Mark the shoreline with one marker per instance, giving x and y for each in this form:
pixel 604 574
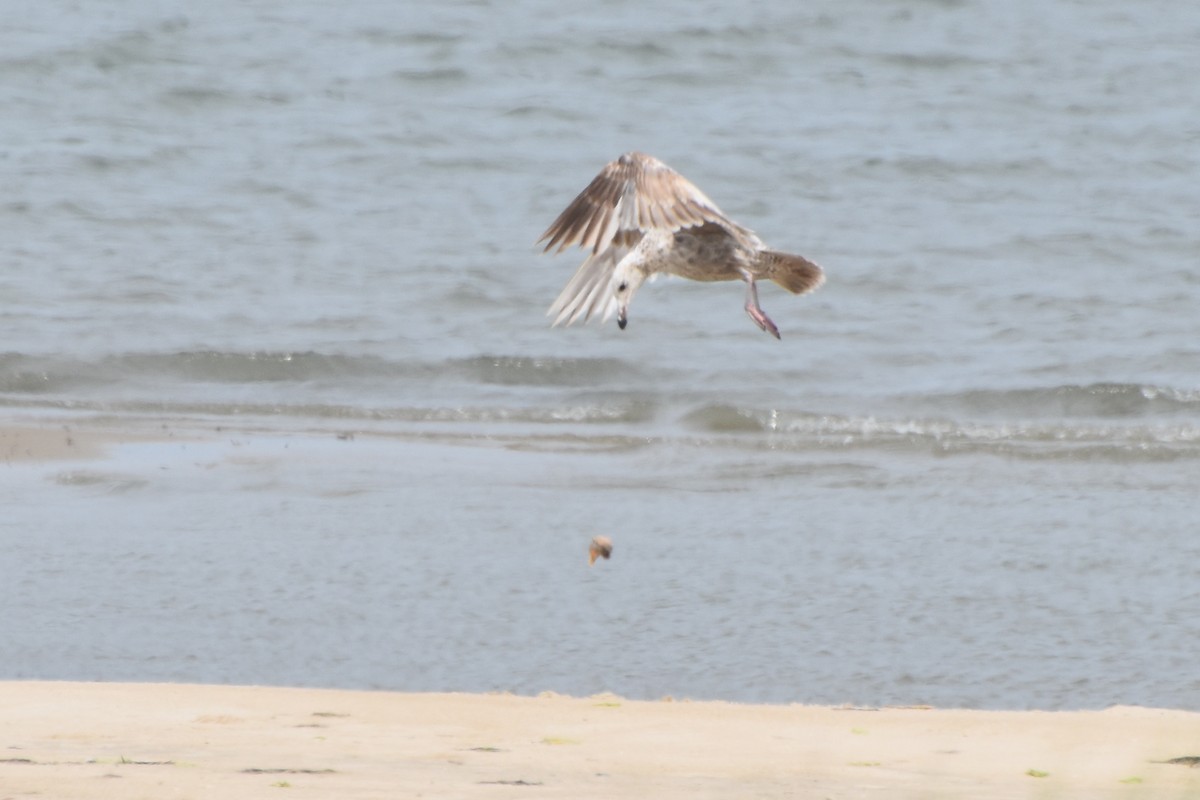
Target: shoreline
pixel 111 740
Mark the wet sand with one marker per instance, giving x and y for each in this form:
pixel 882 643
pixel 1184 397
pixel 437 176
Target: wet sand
pixel 48 441
pixel 39 440
pixel 85 740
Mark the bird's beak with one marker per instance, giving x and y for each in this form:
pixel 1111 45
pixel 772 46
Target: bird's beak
pixel 622 320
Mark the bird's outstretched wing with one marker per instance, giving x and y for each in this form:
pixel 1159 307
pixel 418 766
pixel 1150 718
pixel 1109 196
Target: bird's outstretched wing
pixel 635 193
pixel 632 195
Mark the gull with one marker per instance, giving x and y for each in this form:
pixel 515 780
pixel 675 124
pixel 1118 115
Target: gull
pixel 638 218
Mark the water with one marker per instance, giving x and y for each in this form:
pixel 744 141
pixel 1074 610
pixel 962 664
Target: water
pixel 286 250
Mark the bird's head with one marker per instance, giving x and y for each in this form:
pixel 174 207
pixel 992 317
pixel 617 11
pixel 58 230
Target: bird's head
pixel 625 283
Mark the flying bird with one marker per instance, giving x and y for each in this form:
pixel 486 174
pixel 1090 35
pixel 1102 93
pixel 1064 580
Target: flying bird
pixel 639 217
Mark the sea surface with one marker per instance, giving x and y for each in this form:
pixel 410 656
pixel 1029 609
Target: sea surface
pixel 290 246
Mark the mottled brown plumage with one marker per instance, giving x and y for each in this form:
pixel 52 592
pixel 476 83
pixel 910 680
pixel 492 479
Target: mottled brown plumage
pixel 639 217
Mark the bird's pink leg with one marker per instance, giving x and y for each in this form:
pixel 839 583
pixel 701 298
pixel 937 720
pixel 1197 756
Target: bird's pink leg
pixel 755 310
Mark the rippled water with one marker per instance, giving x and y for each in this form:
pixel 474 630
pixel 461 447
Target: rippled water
pixel 290 247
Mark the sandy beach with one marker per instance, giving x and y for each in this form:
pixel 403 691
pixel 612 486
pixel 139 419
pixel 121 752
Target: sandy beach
pixel 88 740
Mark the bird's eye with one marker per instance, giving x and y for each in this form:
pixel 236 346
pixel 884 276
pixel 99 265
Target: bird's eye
pixel 623 286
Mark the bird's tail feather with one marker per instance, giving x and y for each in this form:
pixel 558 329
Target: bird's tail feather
pixel 795 273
